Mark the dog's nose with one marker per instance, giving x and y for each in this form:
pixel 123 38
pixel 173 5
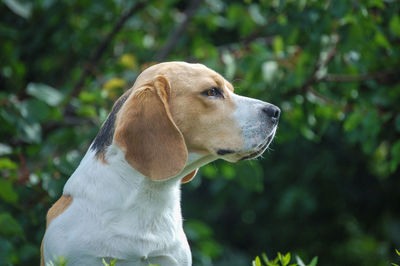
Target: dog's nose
pixel 273 112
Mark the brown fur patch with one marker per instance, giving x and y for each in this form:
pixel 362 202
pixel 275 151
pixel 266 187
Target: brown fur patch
pixel 58 208
pixel 146 132
pixel 189 177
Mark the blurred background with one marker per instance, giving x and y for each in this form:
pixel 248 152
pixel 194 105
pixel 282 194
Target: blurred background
pixel 328 186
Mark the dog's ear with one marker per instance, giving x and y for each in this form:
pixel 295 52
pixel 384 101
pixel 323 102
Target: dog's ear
pixel 189 177
pixel 146 132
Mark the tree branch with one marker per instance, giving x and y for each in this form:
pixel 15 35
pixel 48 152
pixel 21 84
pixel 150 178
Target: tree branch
pixel 319 65
pixel 98 53
pixel 254 36
pixel 178 32
pixel 358 78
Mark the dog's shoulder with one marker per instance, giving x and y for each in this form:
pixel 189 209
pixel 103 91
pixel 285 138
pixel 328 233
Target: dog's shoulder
pixel 59 207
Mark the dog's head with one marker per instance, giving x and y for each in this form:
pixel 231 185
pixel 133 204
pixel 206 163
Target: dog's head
pixel 177 108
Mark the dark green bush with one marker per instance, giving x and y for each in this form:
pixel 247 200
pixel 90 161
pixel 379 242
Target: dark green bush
pixel 329 184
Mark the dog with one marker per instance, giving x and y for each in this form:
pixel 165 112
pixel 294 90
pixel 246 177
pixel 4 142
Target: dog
pixel 123 200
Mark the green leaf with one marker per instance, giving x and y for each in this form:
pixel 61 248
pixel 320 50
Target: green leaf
pixel 7 191
pixel 6 163
pixel 89 97
pixel 395 25
pixel 45 93
pixel 300 261
pixel 113 262
pixel 257 261
pixel 5 149
pixel 273 263
pixel 279 256
pixel 278 45
pixel 61 261
pixel 313 262
pixel 270 71
pixel 376 3
pixel 209 171
pixel 9 226
pixel 398 252
pixel 264 257
pixel 353 120
pixel 87 111
pixel 22 10
pixel 228 171
pixel 308 133
pixel 285 259
pixel 229 61
pixel 381 40
pixel 31 132
pixel 256 14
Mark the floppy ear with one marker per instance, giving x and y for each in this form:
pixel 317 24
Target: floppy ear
pixel 145 131
pixel 189 177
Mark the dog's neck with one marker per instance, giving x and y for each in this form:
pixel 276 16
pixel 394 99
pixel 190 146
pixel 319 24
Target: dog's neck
pixel 114 184
pixel 124 212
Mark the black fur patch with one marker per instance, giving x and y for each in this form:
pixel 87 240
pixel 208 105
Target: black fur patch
pixel 106 133
pixel 246 157
pixel 223 152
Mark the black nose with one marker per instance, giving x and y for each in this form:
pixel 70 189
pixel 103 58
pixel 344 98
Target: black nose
pixel 272 111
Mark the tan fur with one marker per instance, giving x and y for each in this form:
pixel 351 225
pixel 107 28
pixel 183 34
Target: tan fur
pixel 59 207
pixel 166 116
pixel 145 131
pixel 203 122
pixel 206 124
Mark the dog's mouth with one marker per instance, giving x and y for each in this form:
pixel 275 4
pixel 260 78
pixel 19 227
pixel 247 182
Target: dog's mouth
pixel 232 155
pixel 260 150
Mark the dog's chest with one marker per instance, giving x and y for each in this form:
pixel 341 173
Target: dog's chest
pixel 132 236
pixel 136 222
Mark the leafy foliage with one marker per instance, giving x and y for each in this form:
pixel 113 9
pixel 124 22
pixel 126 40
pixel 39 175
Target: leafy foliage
pixel 62 261
pixel 282 260
pixel 329 184
pixel 398 253
pixel 111 263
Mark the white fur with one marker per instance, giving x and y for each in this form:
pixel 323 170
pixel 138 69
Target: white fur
pixel 256 127
pixel 120 214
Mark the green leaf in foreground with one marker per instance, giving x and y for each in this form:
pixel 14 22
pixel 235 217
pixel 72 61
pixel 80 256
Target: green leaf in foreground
pixel 45 93
pixel 313 262
pixel 257 262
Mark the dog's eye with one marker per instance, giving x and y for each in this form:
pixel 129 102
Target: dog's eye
pixel 213 92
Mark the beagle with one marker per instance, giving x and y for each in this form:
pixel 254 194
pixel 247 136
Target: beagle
pixel 123 200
